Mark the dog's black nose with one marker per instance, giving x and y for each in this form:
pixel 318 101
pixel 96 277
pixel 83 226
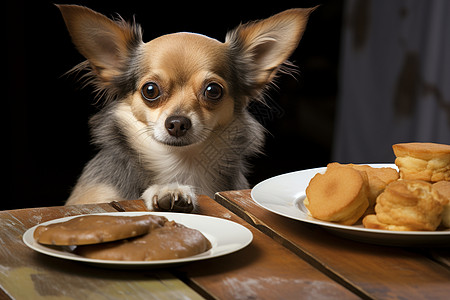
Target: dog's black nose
pixel 177 126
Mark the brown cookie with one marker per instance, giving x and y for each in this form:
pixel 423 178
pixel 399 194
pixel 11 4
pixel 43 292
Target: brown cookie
pixel 95 229
pixel 171 241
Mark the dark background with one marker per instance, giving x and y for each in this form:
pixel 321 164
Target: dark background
pixel 48 111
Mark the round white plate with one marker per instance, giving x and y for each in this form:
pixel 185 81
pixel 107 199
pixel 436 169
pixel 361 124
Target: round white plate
pixel 225 236
pixel 284 195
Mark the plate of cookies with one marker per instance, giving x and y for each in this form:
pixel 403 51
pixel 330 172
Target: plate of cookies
pixel 137 239
pixel 401 204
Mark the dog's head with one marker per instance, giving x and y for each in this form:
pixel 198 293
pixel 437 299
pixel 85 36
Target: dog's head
pixel 183 86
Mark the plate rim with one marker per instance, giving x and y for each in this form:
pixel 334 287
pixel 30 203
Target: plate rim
pixel 247 237
pixel 335 226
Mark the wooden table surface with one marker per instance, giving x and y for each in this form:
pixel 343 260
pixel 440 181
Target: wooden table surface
pixel 286 260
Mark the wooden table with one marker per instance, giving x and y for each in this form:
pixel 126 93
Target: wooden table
pixel 286 260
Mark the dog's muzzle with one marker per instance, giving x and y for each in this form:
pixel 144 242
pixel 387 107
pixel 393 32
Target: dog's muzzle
pixel 177 126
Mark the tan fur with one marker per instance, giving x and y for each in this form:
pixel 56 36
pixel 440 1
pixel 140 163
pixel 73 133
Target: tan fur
pixel 90 194
pixel 102 53
pixel 139 154
pixel 182 79
pixel 270 41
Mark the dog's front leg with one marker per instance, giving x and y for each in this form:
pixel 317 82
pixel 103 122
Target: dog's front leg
pixel 171 197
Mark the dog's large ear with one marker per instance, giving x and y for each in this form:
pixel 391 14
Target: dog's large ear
pixel 260 48
pixel 105 43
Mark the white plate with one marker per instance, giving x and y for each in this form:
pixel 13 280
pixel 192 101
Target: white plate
pixel 284 195
pixel 225 236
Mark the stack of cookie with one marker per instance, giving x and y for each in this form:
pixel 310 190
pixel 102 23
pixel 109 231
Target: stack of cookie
pixel 420 200
pixel 346 192
pixel 129 238
pixel 415 198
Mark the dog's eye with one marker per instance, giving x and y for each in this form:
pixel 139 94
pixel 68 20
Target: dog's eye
pixel 150 91
pixel 213 91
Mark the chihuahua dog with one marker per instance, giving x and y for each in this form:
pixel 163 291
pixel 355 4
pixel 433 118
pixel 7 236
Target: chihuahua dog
pixel 175 121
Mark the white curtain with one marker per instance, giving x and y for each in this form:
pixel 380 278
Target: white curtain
pixel 394 78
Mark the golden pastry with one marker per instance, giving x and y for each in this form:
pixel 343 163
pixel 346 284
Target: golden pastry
pixel 443 188
pixel 407 205
pixel 340 195
pixel 423 161
pixel 378 178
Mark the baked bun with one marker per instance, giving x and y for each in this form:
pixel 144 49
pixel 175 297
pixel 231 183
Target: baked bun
pixel 423 161
pixel 339 195
pixel 378 178
pixel 371 221
pixel 443 188
pixel 408 205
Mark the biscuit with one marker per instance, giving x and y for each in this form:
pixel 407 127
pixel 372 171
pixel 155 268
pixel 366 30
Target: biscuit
pixel 371 221
pixel 95 229
pixel 171 241
pixel 340 195
pixel 413 204
pixel 443 188
pixel 378 178
pixel 423 161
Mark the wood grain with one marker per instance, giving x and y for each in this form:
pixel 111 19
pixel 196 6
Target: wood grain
pixel 286 260
pixel 25 274
pixel 369 270
pixel 263 270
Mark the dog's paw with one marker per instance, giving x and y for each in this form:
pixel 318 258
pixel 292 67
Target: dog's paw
pixel 171 197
